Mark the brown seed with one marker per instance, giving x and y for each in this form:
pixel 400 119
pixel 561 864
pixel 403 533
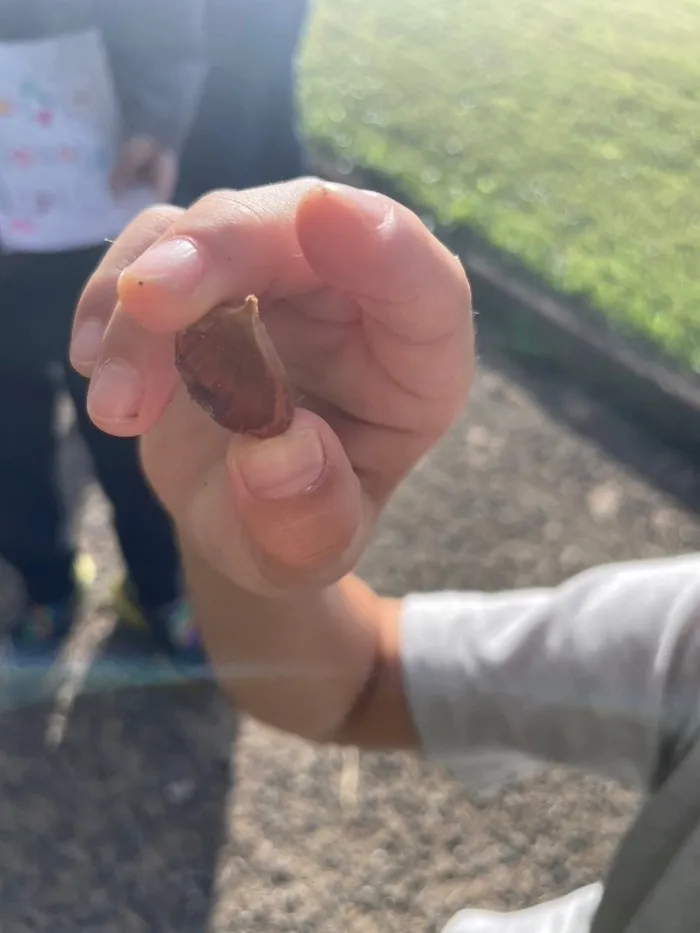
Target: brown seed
pixel 231 369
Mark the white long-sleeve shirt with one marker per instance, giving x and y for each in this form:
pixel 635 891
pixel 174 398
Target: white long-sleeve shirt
pixel 601 673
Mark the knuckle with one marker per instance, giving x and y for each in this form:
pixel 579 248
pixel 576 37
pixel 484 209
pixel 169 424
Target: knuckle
pixel 320 555
pixel 100 290
pixel 219 208
pixel 151 224
pixel 212 198
pixel 155 219
pixel 307 551
pixel 221 215
pixel 217 203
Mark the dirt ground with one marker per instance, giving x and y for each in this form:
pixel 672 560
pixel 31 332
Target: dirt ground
pixel 118 807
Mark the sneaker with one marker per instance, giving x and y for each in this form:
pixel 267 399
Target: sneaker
pixel 44 628
pixel 172 626
pixel 178 632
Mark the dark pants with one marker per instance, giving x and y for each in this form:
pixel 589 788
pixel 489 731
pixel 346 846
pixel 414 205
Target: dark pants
pixel 37 299
pixel 245 134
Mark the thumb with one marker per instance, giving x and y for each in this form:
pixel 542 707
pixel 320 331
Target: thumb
pixel 287 513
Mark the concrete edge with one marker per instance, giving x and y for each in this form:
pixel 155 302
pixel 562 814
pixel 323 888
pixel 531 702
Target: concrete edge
pixel 636 379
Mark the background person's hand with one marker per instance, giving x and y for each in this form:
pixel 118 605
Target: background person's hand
pixel 371 315
pixel 143 162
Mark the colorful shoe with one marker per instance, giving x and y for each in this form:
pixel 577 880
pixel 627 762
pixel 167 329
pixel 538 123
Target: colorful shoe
pixel 171 626
pixel 177 630
pixel 44 628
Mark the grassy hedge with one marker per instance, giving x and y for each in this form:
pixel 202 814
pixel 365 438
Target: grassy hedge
pixel 566 131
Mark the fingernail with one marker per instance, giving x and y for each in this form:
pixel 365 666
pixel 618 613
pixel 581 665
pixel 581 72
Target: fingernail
pixel 284 466
pixel 376 208
pixel 86 342
pixel 116 392
pixel 177 263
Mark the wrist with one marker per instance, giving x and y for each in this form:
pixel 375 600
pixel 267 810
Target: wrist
pixel 379 717
pixel 298 663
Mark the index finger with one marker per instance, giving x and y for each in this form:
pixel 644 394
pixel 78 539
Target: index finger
pixel 226 246
pixel 99 297
pixel 283 240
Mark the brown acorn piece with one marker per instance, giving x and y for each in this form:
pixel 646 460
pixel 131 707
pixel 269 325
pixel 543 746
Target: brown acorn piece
pixel 231 369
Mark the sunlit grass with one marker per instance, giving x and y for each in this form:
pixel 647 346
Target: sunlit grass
pixel 566 131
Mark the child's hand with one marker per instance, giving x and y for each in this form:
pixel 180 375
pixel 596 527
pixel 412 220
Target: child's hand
pixel 371 316
pixel 143 162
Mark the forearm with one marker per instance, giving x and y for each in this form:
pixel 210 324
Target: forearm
pixel 599 673
pixel 324 666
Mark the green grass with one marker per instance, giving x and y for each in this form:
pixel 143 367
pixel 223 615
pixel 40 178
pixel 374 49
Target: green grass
pixel 565 131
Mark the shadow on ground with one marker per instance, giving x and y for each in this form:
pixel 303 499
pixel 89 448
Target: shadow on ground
pixel 589 415
pixel 115 781
pixel 113 818
pixel 119 826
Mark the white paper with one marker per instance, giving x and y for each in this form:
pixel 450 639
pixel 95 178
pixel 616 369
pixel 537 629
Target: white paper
pixel 59 139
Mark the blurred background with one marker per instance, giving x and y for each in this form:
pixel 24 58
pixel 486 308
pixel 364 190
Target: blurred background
pixel 567 133
pixel 563 139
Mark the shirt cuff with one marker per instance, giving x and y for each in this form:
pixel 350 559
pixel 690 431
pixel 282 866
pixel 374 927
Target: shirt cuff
pixel 433 668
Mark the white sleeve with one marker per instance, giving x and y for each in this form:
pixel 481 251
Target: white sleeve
pixel 600 673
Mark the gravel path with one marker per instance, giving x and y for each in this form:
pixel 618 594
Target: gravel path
pixel 116 809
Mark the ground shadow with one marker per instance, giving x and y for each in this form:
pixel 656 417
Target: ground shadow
pixel 114 781
pixel 117 827
pixel 593 417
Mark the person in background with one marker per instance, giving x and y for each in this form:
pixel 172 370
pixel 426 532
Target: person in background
pixel 372 317
pixel 156 53
pixel 245 131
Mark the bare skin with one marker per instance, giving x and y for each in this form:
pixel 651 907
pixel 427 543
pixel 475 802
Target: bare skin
pixel 372 318
pixel 143 162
